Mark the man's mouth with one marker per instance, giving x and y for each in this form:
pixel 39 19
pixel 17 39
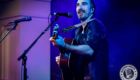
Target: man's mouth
pixel 81 12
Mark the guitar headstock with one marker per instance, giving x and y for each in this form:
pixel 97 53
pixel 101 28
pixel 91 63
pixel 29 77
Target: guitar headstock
pixel 55 31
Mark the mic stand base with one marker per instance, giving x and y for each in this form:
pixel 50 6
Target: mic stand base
pixel 24 59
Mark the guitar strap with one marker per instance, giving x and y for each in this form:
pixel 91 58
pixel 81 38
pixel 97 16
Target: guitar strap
pixel 77 25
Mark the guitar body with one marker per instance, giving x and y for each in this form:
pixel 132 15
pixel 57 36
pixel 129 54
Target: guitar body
pixel 65 57
pixel 67 73
pixel 64 60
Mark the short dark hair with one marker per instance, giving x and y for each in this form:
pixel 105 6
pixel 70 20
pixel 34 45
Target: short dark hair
pixel 92 5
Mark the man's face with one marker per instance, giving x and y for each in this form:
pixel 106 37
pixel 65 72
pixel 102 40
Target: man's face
pixel 83 9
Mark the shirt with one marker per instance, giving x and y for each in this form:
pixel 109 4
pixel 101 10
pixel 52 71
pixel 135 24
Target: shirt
pixel 95 66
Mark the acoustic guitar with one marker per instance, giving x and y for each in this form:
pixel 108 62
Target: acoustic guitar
pixel 64 57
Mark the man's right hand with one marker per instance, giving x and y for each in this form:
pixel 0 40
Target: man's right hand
pixel 57 58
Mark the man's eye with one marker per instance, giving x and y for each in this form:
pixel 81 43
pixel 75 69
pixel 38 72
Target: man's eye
pixel 84 3
pixel 77 4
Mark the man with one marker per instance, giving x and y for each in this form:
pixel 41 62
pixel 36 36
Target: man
pixel 89 49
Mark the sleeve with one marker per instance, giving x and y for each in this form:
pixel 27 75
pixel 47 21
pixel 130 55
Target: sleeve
pixel 95 34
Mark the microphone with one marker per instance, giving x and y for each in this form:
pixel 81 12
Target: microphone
pixel 63 14
pixel 28 18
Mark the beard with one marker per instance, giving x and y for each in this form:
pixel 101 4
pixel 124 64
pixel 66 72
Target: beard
pixel 82 15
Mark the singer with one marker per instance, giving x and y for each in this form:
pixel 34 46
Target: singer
pixel 89 50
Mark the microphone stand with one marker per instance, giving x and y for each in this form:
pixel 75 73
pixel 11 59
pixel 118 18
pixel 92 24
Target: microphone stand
pixel 14 26
pixel 24 57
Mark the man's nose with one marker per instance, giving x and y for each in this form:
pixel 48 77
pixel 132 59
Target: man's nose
pixel 80 6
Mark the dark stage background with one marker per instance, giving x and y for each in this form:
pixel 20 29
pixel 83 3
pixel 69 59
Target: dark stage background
pixel 122 21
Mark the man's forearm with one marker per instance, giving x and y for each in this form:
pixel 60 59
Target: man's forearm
pixel 79 49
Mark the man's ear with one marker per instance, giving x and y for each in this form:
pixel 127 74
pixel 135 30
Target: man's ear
pixel 92 10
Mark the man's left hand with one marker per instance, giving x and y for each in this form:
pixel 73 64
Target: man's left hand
pixel 59 42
